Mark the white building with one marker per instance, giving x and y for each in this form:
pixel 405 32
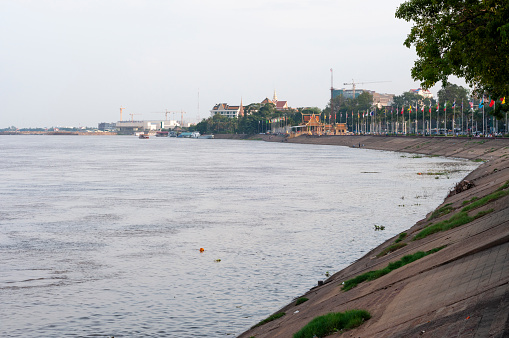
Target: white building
pixel 226 110
pixel 423 92
pixel 133 127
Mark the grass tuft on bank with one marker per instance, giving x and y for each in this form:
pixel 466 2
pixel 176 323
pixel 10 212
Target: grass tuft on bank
pixel 455 221
pixel 462 217
pixel 372 275
pixel 446 209
pixel 269 319
pixel 401 237
pixel 333 322
pixel 301 300
pixel 390 249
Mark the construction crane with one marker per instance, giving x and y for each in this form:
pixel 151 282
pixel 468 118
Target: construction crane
pixel 353 84
pixel 132 116
pixel 121 108
pixel 165 114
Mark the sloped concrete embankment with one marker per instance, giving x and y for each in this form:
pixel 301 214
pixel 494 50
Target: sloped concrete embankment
pixel 460 291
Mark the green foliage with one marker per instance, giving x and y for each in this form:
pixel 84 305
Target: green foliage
pixel 372 275
pixel 332 322
pixel 442 211
pixel 269 319
pixel 406 99
pixel 301 300
pixel 485 200
pixel 391 248
pixel 457 220
pixel 401 237
pixel 468 39
pixel 451 93
pixel 473 199
pixel 362 102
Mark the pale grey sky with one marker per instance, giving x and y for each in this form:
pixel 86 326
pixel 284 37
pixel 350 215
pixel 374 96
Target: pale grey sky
pixel 75 62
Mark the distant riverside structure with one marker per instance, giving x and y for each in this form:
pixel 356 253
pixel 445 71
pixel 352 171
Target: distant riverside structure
pixel 381 100
pixel 422 92
pixel 132 127
pixel 280 105
pixel 238 111
pixel 226 110
pixel 105 126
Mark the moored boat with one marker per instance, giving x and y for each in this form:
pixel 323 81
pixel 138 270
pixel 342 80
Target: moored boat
pixel 162 133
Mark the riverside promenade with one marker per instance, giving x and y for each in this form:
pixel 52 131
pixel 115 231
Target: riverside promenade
pixel 460 291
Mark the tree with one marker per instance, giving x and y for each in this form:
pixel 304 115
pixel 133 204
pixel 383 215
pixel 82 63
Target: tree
pixel 452 92
pixel 406 99
pixel 469 39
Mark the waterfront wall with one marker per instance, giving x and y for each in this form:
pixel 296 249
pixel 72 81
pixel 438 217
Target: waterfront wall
pixel 462 290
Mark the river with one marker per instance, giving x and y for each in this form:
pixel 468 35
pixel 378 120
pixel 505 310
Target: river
pixel 100 235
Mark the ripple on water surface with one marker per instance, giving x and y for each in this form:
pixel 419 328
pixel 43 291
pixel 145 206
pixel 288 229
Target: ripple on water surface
pixel 100 236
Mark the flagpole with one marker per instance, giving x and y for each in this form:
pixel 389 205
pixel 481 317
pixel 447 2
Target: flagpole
pixel 422 109
pixel 445 118
pixel 454 118
pixel 472 108
pixel 462 122
pixel 483 125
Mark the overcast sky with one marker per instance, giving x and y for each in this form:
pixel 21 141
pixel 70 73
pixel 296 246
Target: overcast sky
pixel 75 62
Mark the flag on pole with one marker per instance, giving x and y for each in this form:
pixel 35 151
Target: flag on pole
pixel 438 106
pixel 410 108
pixel 445 105
pixel 422 108
pixel 481 104
pixel 502 100
pixel 471 104
pixel 492 102
pixel 402 109
pixel 454 104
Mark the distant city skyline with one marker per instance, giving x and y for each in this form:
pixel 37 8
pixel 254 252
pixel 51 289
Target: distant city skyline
pixel 75 63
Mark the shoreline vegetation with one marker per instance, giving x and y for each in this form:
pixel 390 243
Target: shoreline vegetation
pixel 446 275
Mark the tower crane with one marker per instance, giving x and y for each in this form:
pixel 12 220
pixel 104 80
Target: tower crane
pixel 121 108
pixel 132 116
pixel 165 114
pixel 353 84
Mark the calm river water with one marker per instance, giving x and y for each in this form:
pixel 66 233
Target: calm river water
pixel 100 236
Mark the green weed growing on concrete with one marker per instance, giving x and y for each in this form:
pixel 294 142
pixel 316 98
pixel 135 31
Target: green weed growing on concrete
pixel 457 220
pixel 401 237
pixel 390 249
pixel 485 200
pixel 473 199
pixel 442 211
pixel 301 300
pixel 333 322
pixel 372 275
pixel 269 319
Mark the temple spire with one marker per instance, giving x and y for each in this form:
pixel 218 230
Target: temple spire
pixel 241 110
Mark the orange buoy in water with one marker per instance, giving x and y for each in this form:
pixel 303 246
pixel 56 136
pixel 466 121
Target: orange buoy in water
pixel 202 249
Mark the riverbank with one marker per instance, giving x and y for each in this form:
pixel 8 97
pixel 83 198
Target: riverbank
pixel 461 290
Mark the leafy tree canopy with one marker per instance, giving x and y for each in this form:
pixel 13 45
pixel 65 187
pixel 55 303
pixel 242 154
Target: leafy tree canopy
pixel 466 38
pixel 452 92
pixel 406 99
pixel 363 101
